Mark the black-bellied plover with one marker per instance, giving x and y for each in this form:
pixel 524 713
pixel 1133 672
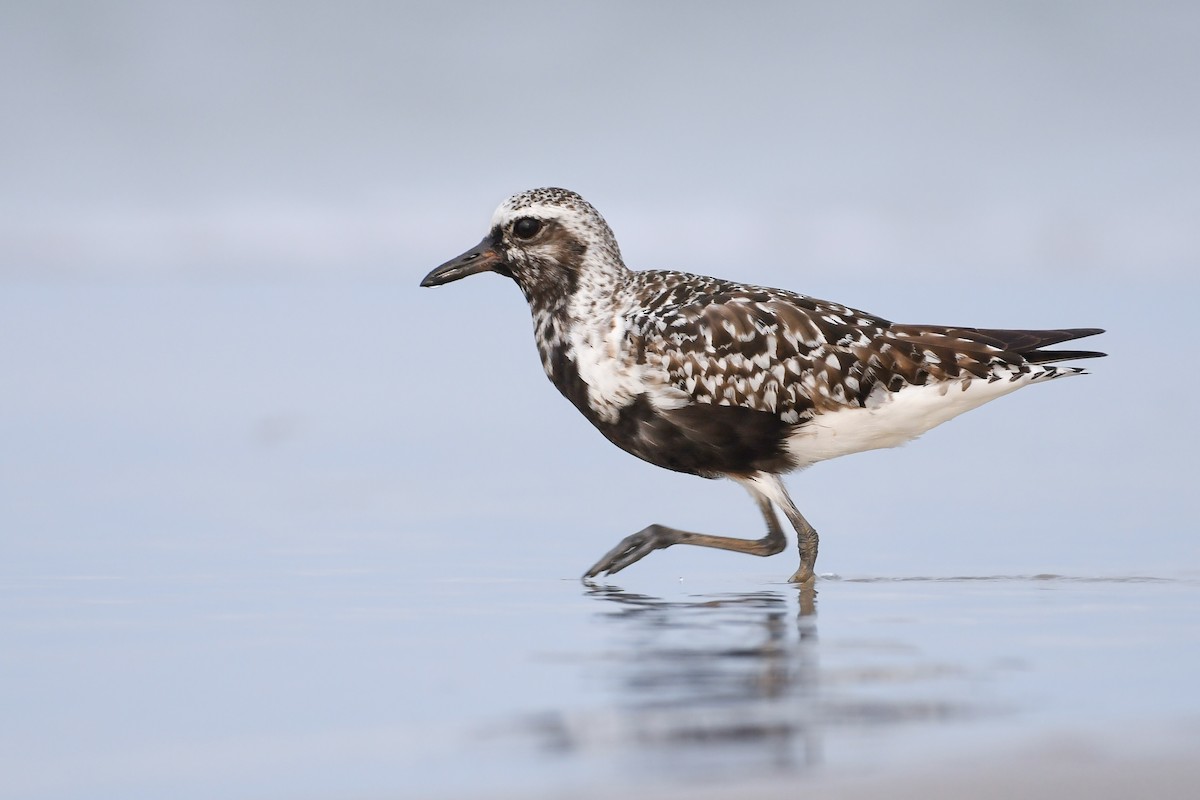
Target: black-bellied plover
pixel 723 379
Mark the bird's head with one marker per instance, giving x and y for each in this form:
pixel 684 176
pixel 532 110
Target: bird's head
pixel 546 240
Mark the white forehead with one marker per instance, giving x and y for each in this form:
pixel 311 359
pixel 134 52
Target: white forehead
pixel 507 212
pixel 549 203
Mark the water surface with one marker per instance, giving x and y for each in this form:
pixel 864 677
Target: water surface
pixel 257 543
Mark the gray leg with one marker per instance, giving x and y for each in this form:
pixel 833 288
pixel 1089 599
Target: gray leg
pixel 806 535
pixel 807 541
pixel 656 537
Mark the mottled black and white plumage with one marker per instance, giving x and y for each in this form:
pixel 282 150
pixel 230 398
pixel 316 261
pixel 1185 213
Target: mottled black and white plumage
pixel 716 378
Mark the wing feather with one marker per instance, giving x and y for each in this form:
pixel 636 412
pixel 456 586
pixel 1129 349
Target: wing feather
pixel 795 356
pixel 764 349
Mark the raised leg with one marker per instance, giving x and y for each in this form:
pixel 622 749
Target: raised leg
pixel 656 537
pixel 765 489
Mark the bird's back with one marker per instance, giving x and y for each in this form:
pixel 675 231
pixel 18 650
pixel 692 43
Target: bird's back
pixel 838 379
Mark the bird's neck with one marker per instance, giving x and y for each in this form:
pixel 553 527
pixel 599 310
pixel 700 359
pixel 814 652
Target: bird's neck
pixel 584 317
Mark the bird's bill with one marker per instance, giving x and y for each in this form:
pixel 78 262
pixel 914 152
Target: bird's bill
pixel 483 257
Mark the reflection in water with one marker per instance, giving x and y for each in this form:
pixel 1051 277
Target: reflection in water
pixel 725 683
pixel 682 652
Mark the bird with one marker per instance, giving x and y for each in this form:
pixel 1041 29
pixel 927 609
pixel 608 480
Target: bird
pixel 717 378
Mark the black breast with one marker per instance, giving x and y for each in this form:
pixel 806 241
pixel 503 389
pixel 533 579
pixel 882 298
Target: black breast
pixel 699 439
pixel 702 439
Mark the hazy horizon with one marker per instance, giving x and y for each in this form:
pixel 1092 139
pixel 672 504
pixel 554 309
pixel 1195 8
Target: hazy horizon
pixel 297 139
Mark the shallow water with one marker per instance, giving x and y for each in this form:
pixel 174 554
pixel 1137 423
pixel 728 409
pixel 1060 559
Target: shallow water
pixel 250 552
pixel 365 682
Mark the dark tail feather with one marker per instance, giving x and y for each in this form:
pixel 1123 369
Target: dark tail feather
pixel 1029 343
pixel 1050 356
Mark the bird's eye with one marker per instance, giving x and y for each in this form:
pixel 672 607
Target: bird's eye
pixel 526 227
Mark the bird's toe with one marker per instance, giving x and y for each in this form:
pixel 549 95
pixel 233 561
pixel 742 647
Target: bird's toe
pixel 631 549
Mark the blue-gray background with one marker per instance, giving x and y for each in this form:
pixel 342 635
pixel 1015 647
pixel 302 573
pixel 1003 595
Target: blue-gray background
pixel 217 365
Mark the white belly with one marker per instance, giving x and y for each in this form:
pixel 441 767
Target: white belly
pixel 901 417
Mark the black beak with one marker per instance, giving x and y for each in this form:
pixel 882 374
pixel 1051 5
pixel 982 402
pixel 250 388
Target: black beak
pixel 483 257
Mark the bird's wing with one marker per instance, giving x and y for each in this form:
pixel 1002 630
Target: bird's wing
pixel 768 350
pixel 795 356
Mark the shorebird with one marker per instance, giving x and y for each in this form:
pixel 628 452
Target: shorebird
pixel 723 379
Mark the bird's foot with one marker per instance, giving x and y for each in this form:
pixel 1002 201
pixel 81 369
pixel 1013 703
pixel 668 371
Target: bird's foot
pixel 633 548
pixel 804 575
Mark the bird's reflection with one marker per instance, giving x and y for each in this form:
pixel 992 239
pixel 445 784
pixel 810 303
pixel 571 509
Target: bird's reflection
pixel 729 684
pixel 713 681
pixel 714 649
